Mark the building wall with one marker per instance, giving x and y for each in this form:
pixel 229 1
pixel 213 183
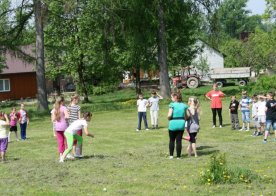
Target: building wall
pixel 214 59
pixel 22 85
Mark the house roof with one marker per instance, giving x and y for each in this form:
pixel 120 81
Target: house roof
pixel 208 45
pixel 16 64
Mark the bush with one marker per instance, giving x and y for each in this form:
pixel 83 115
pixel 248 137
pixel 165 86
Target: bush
pixel 8 104
pixel 104 89
pixel 219 173
pixel 263 84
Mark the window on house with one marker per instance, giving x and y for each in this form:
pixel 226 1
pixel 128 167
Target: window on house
pixel 4 85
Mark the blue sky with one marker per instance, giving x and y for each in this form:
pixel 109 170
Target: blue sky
pixel 256 6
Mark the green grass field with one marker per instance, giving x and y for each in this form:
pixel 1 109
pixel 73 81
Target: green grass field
pixel 120 161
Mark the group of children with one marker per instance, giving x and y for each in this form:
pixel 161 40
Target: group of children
pixel 187 119
pixel 8 124
pixel 263 113
pixel 153 104
pixel 68 126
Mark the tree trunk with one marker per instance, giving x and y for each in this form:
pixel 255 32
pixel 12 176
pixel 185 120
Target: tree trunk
pixel 137 80
pixel 40 69
pixel 56 85
pixel 162 54
pixel 81 79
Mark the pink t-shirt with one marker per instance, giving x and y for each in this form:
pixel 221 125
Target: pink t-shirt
pixel 13 117
pixel 216 98
pixel 61 125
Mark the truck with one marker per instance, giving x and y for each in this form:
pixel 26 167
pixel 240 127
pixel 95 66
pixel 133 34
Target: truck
pixel 190 76
pixel 222 75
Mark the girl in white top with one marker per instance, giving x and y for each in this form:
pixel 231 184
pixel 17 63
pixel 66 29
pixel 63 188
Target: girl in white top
pixel 71 133
pixel 154 108
pixel 4 131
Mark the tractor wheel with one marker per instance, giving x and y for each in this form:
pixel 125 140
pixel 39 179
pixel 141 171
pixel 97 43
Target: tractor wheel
pixel 219 84
pixel 192 82
pixel 242 83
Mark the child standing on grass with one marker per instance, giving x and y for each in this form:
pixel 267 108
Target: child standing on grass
pixel 233 111
pixel 142 105
pixel 24 120
pixel 13 124
pixel 245 104
pixel 4 129
pixel 193 112
pixel 59 115
pixel 71 133
pixel 154 108
pixel 270 115
pixel 261 113
pixel 75 114
pixel 254 115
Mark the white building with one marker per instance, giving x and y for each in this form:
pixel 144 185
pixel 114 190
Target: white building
pixel 212 57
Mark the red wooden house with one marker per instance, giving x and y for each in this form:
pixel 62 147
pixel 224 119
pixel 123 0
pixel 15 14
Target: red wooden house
pixel 18 80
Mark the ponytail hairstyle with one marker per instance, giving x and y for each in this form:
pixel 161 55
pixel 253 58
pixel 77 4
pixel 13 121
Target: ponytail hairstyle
pixel 87 115
pixel 58 103
pixel 178 96
pixel 193 102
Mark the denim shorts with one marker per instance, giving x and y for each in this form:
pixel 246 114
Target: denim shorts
pixel 246 116
pixel 269 123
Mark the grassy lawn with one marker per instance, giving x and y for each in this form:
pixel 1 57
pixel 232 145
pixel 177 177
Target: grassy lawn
pixel 120 161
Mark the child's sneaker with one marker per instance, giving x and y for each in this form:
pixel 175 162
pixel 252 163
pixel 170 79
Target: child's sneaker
pixel 242 129
pixel 171 157
pixel 69 156
pixel 147 129
pixel 264 141
pixel 137 130
pixel 61 160
pixel 214 126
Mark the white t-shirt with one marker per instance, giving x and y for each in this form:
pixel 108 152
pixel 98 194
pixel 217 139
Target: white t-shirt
pixel 142 105
pixel 4 129
pixel 154 103
pixel 254 109
pixel 261 108
pixel 76 126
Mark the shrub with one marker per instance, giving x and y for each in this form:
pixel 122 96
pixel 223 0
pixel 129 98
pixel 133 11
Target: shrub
pixel 8 104
pixel 104 89
pixel 263 84
pixel 219 173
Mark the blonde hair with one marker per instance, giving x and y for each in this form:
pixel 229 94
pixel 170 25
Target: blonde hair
pixel 58 103
pixel 193 102
pixel 74 97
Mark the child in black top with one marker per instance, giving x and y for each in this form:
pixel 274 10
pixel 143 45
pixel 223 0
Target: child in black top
pixel 233 111
pixel 270 115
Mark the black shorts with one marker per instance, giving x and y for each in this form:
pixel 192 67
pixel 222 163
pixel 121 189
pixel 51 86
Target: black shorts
pixel 13 128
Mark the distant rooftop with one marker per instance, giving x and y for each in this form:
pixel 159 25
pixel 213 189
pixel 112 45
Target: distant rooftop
pixel 16 64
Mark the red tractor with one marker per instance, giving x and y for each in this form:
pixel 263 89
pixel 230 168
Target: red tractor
pixel 188 77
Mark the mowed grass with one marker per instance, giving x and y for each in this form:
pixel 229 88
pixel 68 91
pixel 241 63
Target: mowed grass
pixel 120 161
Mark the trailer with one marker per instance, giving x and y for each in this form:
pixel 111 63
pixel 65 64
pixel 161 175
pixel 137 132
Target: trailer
pixel 221 75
